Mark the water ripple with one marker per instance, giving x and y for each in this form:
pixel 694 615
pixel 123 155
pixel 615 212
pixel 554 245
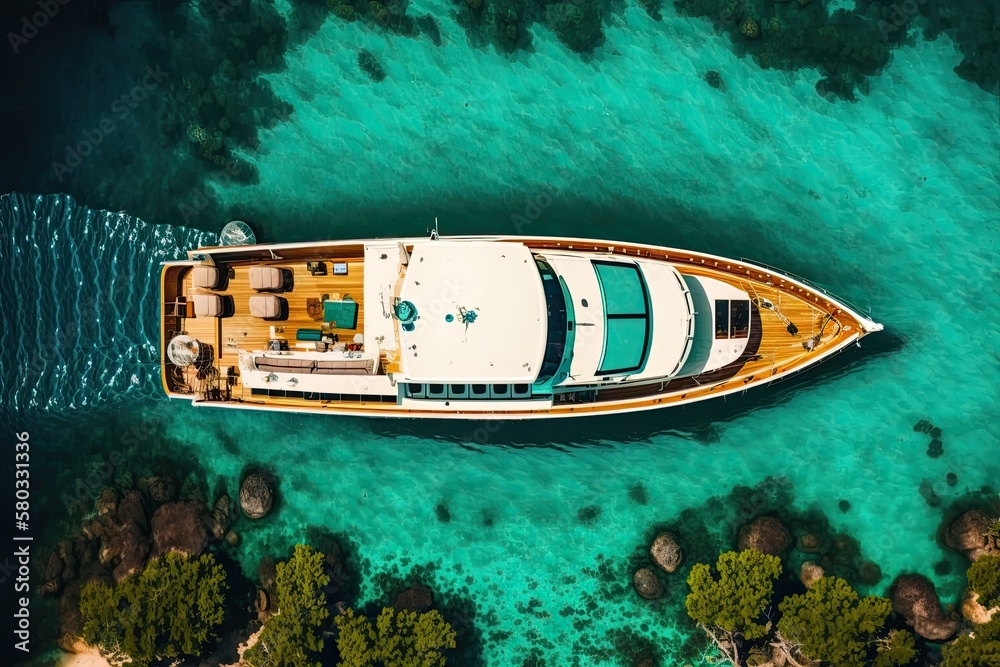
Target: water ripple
pixel 78 302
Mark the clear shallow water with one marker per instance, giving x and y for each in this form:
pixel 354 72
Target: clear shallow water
pixel 891 202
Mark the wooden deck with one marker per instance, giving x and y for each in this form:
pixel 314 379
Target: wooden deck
pixel 242 331
pixel 824 327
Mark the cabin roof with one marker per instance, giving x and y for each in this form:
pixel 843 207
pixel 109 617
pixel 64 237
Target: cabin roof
pixel 481 313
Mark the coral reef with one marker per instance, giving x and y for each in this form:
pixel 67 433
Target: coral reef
pixel 370 65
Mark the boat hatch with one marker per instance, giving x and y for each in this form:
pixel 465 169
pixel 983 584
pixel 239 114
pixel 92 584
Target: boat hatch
pixel 627 321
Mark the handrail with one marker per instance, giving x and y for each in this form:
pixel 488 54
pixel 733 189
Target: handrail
pixel 812 284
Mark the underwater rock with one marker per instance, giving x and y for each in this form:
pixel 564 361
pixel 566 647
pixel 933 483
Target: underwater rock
pixel 812 543
pixel 869 573
pixel 429 27
pixel 345 12
pixel 951 478
pixel 232 539
pixel 414 598
pixel 179 527
pixel 51 576
pixel 666 552
pixel 714 79
pixel 370 65
pixel 766 534
pixel 588 514
pixel 161 488
pixel 107 501
pixel 914 598
pixel 68 555
pixel 935 449
pixel 844 506
pixel 70 618
pixel 256 496
pixel 577 24
pixel 923 426
pixel 646 584
pixel 378 11
pixel 267 573
pixel 928 493
pixel 132 509
pixel 261 601
pixel 219 520
pixel 442 512
pixel 810 574
pixel 969 534
pixel 131 548
pixel 749 28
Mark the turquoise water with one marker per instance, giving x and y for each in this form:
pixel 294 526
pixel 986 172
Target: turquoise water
pixel 892 202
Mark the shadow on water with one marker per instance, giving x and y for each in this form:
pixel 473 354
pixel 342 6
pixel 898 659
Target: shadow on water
pixel 699 422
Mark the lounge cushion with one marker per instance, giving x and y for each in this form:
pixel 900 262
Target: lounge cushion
pixel 205 277
pixel 344 314
pixel 309 334
pixel 284 364
pixel 266 306
pixel 207 305
pixel 265 278
pixel 344 366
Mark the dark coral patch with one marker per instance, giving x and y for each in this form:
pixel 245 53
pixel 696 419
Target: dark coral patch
pixel 637 494
pixel 588 514
pixel 370 65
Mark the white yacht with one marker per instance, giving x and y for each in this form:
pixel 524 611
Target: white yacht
pixel 485 327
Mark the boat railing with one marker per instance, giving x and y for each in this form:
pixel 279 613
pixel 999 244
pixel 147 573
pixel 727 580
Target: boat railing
pixel 810 283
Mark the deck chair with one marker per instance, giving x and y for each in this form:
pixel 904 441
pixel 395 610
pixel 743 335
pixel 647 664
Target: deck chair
pixel 207 277
pixel 207 305
pixel 268 307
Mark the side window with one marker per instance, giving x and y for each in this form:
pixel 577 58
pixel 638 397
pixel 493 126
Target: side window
pixel 739 319
pixel 722 318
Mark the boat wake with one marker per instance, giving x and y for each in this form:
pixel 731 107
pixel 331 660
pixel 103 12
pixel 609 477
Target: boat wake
pixel 79 303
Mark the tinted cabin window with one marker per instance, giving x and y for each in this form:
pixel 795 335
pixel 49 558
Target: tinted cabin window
pixel 722 318
pixel 555 302
pixel 627 324
pixel 739 319
pixel 479 390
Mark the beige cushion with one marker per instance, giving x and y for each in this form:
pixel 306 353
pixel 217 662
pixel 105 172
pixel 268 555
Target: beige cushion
pixel 265 305
pixel 345 367
pixel 206 277
pixel 265 278
pixel 207 305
